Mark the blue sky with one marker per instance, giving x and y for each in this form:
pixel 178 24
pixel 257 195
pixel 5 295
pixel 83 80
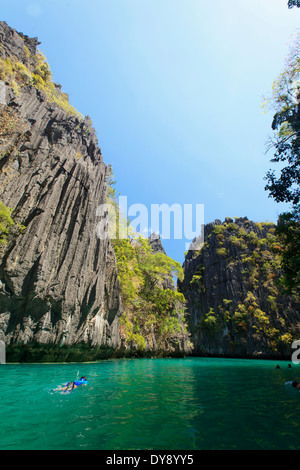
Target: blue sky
pixel 174 89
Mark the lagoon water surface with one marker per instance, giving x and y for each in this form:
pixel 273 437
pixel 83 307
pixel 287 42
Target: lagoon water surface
pixel 158 404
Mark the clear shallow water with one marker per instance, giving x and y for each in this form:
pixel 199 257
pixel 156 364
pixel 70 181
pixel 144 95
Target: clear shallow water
pixel 159 404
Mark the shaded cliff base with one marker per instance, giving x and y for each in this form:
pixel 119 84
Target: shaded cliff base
pixel 41 353
pixel 269 357
pixel 45 353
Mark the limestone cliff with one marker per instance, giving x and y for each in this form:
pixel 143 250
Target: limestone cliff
pixel 156 244
pixel 153 322
pixel 58 280
pixel 235 304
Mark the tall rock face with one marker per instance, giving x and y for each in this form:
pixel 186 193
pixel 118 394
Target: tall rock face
pixel 156 244
pixel 153 322
pixel 234 299
pixel 58 280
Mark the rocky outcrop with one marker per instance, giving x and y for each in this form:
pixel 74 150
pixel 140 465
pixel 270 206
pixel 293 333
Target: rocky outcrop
pixel 177 344
pixel 13 42
pixel 153 322
pixel 58 280
pixel 157 247
pixel 156 244
pixel 235 304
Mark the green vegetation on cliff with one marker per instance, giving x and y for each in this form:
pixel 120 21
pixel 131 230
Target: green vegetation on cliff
pixel 6 223
pixel 294 3
pixel 284 184
pixel 259 255
pixel 34 70
pixel 151 309
pixel 234 288
pixel 153 317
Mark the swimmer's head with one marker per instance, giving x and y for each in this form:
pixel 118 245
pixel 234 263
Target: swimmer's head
pixel 294 384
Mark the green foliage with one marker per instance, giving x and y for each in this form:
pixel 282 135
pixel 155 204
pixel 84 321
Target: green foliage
pixel 289 235
pixel 142 276
pixel 129 274
pixel 240 317
pixel 219 229
pixel 12 129
pixel 262 319
pixel 17 74
pixel 169 326
pixel 197 279
pixel 286 122
pixel 210 321
pixel 145 277
pixel 273 302
pixel 42 80
pixel 232 226
pixel 285 187
pixel 253 238
pixel 111 195
pixel 132 337
pixel 221 252
pixel 79 155
pixel 294 3
pixel 286 338
pixel 237 242
pixel 6 223
pixel 255 251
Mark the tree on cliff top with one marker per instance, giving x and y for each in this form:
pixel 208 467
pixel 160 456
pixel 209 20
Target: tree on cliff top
pixel 284 186
pixel 286 121
pixel 294 3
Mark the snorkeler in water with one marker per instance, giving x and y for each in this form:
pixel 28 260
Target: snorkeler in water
pixel 68 387
pixel 296 385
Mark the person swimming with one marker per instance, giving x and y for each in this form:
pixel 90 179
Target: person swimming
pixel 296 385
pixel 75 383
pixel 82 381
pixel 69 386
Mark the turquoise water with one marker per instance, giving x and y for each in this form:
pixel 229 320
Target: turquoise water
pixel 159 404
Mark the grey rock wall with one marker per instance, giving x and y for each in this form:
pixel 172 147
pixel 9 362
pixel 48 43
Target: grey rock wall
pixel 235 304
pixel 58 281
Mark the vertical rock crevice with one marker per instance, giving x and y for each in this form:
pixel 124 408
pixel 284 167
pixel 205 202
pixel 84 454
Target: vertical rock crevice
pixel 235 303
pixel 58 281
